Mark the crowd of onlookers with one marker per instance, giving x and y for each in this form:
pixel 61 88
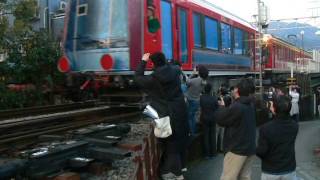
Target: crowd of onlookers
pixel 228 121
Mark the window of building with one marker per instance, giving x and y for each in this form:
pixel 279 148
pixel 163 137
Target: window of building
pixel 238 41
pixel 226 38
pixel 211 32
pixel 197 29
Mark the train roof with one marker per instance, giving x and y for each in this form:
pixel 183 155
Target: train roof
pixel 219 10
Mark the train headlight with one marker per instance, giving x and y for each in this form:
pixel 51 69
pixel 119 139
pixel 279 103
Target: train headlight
pixel 64 64
pixel 266 38
pixel 106 62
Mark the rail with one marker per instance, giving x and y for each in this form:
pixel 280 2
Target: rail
pixel 38 110
pixel 24 131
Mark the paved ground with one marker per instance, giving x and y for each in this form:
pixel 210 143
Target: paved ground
pixel 308 167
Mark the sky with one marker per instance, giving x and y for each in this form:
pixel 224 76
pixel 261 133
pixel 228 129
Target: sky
pixel 279 9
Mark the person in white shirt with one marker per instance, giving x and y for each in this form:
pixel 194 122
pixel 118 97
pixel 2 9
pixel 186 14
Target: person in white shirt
pixel 294 94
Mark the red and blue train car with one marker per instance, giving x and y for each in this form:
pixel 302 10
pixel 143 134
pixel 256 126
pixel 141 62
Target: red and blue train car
pixel 107 37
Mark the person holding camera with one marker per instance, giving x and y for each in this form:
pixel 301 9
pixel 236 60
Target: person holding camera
pixel 208 105
pixel 165 96
pixel 277 141
pixel 239 120
pixel 224 95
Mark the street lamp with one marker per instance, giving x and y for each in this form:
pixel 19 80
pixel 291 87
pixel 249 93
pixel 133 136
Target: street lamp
pixel 302 47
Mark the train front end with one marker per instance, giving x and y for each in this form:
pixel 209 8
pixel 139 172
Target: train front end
pixel 96 38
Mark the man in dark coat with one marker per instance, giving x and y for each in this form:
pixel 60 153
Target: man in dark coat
pixel 239 121
pixel 164 90
pixel 276 142
pixel 208 105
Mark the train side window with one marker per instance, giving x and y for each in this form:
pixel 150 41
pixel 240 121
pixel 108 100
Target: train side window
pixel 226 38
pixel 238 41
pixel 183 35
pixel 246 44
pixel 197 29
pixel 166 29
pixel 211 33
pixel 82 10
pixel 153 22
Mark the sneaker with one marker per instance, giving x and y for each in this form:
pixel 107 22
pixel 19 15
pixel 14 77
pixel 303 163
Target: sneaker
pixel 171 176
pixel 179 177
pixel 184 170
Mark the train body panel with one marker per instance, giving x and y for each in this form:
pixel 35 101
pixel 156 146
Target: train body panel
pixel 194 34
pixel 90 60
pixel 93 30
pixel 136 30
pixel 219 61
pixel 190 31
pixel 108 38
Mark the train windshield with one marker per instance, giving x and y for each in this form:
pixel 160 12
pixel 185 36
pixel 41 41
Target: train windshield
pixel 98 24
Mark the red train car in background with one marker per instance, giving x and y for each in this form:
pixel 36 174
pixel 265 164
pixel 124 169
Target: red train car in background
pixel 281 56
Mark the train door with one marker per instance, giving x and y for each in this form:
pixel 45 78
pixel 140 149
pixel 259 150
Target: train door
pixel 183 38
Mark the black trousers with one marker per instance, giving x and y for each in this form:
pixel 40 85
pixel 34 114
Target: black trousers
pixel 171 163
pixel 209 133
pixel 173 158
pixel 295 117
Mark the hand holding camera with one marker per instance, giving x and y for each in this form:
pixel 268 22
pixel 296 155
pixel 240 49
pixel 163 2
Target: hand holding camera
pixel 145 57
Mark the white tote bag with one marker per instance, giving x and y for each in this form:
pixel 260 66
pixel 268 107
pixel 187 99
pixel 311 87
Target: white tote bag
pixel 162 127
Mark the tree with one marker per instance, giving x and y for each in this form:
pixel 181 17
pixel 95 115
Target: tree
pixel 32 56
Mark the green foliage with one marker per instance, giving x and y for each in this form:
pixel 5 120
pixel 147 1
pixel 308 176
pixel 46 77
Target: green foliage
pixel 32 58
pixel 25 10
pixel 3 26
pixel 20 99
pixel 24 13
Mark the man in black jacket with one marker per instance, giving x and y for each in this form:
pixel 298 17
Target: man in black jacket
pixel 208 105
pixel 239 121
pixel 276 142
pixel 164 91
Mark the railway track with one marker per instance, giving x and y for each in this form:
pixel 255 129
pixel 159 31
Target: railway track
pixel 31 111
pixel 19 133
pixel 46 145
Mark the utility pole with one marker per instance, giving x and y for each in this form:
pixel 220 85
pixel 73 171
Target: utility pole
pixel 302 47
pixel 260 49
pixel 263 16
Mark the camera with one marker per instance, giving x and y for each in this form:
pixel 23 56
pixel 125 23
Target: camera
pixel 270 96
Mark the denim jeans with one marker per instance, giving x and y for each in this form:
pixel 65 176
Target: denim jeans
pixel 288 176
pixel 193 109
